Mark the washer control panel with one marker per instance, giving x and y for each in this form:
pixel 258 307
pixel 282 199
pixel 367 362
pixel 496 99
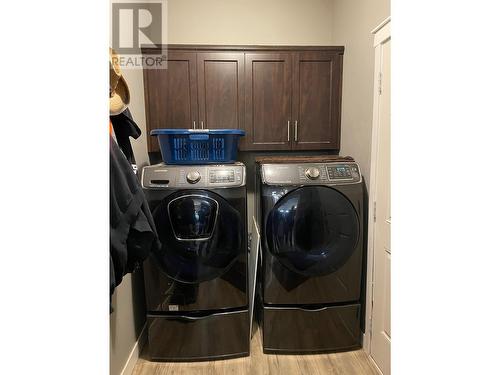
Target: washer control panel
pixel 162 176
pixel 339 172
pixel 193 177
pixel 311 173
pixel 222 176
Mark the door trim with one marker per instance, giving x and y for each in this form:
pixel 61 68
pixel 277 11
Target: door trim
pixel 372 361
pixel 382 32
pixel 383 29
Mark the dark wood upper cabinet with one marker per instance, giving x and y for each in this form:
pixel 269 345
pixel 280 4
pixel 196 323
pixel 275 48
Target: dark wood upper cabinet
pixel 221 89
pixel 268 100
pixel 170 95
pixel 316 100
pixel 284 97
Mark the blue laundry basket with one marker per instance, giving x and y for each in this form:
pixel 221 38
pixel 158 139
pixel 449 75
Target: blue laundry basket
pixel 203 146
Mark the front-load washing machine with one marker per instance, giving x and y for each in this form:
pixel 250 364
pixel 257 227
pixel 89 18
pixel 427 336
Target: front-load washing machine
pixel 196 283
pixel 311 217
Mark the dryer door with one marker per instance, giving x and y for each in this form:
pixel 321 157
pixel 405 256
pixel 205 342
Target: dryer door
pixel 313 230
pixel 200 233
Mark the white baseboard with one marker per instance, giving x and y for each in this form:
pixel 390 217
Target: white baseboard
pixel 134 354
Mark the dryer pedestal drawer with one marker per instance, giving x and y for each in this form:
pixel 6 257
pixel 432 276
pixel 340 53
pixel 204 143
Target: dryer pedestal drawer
pixel 195 338
pixel 296 330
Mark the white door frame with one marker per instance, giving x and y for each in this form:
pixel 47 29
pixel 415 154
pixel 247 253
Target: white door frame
pixel 381 34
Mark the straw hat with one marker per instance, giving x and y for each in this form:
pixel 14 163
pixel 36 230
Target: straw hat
pixel 119 94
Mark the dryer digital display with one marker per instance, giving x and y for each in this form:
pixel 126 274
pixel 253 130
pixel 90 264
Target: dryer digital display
pixel 342 171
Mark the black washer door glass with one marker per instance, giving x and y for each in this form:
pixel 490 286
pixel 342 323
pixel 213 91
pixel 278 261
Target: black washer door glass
pixel 200 233
pixel 313 230
pixel 193 216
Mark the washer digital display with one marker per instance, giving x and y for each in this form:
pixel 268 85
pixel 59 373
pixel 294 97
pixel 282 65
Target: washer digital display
pixel 221 176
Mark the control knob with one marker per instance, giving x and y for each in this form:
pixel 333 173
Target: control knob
pixel 193 177
pixel 312 173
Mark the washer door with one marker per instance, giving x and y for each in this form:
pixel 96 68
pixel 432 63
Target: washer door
pixel 313 230
pixel 200 233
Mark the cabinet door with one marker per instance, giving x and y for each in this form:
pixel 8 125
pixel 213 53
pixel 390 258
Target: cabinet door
pixel 268 101
pixel 170 95
pixel 220 90
pixel 317 88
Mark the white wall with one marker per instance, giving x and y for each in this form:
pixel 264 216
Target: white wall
pixel 250 22
pixel 127 320
pixel 352 23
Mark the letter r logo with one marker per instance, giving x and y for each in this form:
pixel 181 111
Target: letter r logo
pixel 135 24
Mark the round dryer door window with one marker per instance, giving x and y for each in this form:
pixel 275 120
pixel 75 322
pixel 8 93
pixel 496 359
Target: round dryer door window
pixel 200 235
pixel 313 230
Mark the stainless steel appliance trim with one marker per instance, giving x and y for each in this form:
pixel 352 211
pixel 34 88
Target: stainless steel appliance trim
pixel 204 183
pixel 328 182
pixel 300 308
pixel 187 317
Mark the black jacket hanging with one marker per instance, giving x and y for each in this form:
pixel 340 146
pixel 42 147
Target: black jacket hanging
pixel 132 229
pixel 125 127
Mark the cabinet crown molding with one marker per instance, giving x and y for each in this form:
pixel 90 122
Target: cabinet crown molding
pixel 212 47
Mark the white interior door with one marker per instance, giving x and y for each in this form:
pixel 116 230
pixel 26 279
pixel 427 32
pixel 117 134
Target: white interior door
pixel 381 310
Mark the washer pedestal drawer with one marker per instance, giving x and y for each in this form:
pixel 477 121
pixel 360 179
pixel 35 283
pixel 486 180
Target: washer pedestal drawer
pixel 195 338
pixel 289 330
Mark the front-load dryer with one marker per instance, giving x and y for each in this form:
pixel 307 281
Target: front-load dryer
pixel 196 283
pixel 311 217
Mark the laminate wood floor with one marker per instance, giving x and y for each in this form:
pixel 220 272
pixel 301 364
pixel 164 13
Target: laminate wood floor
pixel 346 363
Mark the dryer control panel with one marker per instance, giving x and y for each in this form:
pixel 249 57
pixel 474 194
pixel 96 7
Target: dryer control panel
pixel 336 173
pixel 162 176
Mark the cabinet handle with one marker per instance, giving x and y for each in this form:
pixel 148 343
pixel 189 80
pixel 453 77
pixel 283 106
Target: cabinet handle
pixel 194 124
pixel 288 130
pixel 202 125
pixel 296 128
